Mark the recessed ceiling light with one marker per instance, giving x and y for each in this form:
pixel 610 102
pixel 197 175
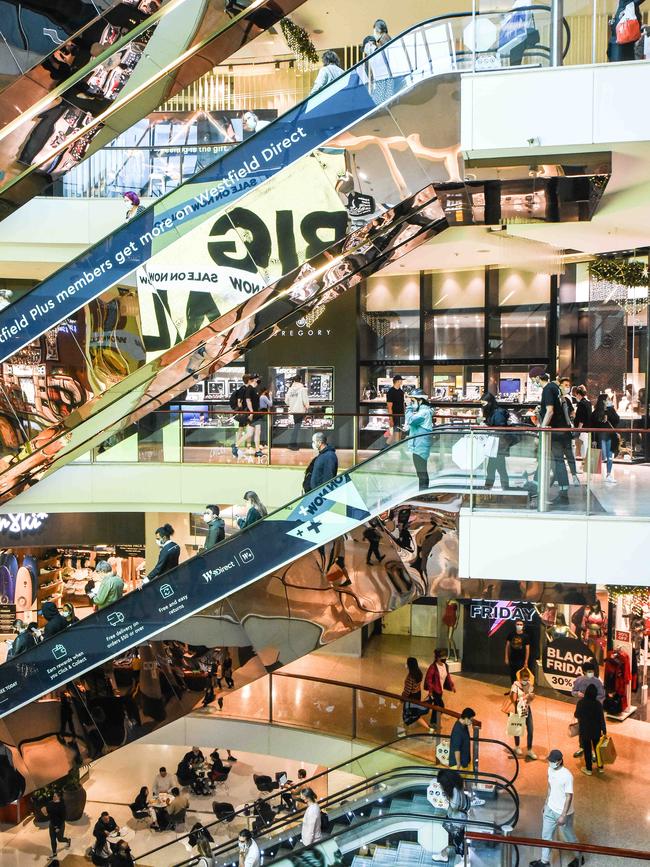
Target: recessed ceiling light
pixel 318 31
pixel 482 251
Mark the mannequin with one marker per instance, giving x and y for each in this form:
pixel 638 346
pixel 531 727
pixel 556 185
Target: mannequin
pixel 594 625
pixel 450 619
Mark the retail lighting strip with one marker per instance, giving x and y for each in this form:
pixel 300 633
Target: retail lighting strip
pixel 128 98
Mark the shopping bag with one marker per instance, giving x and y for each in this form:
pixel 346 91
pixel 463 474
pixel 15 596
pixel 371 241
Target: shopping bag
pixel 606 751
pixel 515 725
pixel 595 460
pixel 628 28
pixel 442 753
pixel 491 446
pixel 574 729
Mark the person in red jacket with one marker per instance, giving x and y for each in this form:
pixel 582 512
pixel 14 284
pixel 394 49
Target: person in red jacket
pixel 436 680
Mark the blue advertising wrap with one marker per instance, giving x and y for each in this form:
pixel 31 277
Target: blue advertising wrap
pixel 259 158
pixel 318 517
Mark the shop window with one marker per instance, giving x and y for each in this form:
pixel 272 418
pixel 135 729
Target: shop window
pixel 454 290
pixel 523 333
pixel 454 335
pixel 390 318
pixel 518 287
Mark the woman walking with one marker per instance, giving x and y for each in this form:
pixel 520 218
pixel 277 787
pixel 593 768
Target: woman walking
pixel 606 417
pixel 412 692
pixel 522 693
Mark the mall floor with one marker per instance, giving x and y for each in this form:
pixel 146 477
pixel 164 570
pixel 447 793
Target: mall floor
pixel 612 809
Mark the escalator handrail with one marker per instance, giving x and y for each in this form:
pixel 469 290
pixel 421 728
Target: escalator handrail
pixel 342 795
pixel 329 86
pixel 27 654
pixel 410 816
pixel 538 843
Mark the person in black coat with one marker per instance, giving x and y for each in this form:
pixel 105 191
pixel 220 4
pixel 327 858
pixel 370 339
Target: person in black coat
pixel 56 622
pixel 591 725
pixel 56 817
pixel 326 464
pixel 616 52
pixel 169 555
pixel 23 641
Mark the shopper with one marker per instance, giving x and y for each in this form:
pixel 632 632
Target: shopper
pixel 241 399
pixel 412 692
pixel 617 52
pixel 111 587
pixel 522 694
pixel 460 753
pixel 552 415
pixel 249 851
pixel 311 820
pixel 588 678
pixel 140 805
pixel 55 621
pixel 23 640
pixel 201 839
pixel 216 527
pixel 436 680
pixel 569 414
pixel 582 419
pixel 258 419
pixel 373 537
pixel 330 71
pixel 419 419
pixel 169 552
pixel 55 809
pixel 67 609
pixel 395 407
pixel 226 671
pixel 256 510
pixel 298 405
pixel 134 208
pixel 458 807
pixel 179 805
pixel 326 465
pixel 380 32
pixel 495 416
pixel 591 725
pixel 557 814
pixel 606 417
pixel 517 650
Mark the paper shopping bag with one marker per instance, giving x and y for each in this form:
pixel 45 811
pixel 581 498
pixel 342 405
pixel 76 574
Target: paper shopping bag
pixel 606 751
pixel 515 725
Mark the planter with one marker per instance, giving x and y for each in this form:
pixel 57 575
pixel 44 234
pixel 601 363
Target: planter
pixel 75 801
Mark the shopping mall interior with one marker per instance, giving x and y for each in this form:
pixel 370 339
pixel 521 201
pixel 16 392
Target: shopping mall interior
pixel 324 430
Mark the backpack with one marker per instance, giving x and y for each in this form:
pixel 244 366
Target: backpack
pixel 628 28
pixel 499 417
pixel 237 397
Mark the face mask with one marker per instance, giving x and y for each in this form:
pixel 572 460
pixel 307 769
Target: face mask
pixel 519 628
pixel 242 846
pixel 314 446
pixel 160 542
pixel 443 661
pixel 554 765
pixel 207 517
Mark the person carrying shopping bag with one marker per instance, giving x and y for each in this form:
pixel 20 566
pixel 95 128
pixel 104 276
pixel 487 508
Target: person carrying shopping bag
pixel 522 693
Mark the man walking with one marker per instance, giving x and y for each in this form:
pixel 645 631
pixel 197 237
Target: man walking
pixel 395 407
pixel 557 814
pixel 55 810
pixel 326 464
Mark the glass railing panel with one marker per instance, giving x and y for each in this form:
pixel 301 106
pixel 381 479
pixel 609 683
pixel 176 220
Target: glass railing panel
pixel 313 705
pixel 516 848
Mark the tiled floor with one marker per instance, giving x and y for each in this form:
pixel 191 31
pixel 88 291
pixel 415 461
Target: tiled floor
pixel 610 810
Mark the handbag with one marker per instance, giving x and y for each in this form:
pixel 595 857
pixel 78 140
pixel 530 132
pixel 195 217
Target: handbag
pixel 506 707
pixel 515 725
pixel 628 28
pixel 606 751
pixel 595 458
pixel 574 729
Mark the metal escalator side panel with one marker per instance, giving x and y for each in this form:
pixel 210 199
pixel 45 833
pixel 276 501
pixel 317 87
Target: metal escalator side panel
pixel 341 266
pixel 295 608
pixel 186 38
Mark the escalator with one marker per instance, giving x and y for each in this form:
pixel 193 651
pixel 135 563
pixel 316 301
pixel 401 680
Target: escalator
pixel 344 183
pixel 117 68
pixel 270 594
pixel 389 802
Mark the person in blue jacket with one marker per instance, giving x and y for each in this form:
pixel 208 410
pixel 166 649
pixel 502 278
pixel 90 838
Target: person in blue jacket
pixel 419 420
pixel 326 464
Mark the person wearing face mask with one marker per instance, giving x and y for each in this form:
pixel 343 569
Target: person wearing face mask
pixel 557 814
pixel 419 420
pixel 517 650
pixel 134 208
pixel 169 552
pixel 606 417
pixel 521 696
pixel 436 680
pixel 325 465
pixel 551 414
pixel 249 851
pixel 569 415
pixel 216 527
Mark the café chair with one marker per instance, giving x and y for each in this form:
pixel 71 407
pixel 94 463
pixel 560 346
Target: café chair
pixel 264 783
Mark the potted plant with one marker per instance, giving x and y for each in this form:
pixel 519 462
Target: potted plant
pixel 39 799
pixel 74 795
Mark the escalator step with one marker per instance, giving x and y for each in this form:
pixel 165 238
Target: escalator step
pixel 412 853
pixel 361 861
pixel 384 855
